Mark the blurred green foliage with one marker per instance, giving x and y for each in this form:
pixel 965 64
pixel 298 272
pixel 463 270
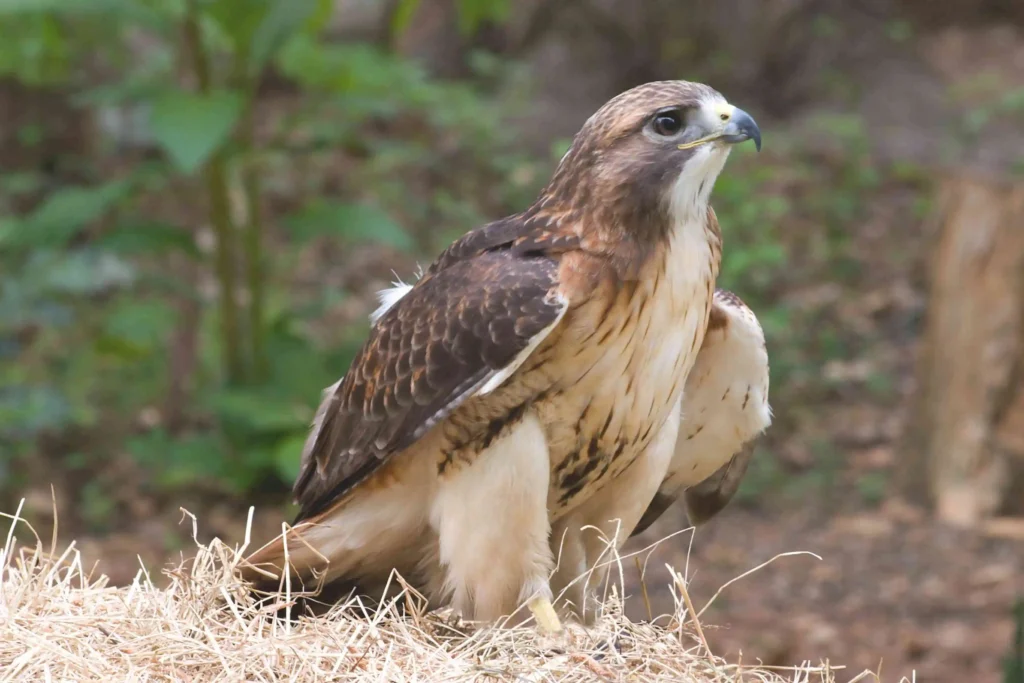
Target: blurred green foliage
pixel 102 285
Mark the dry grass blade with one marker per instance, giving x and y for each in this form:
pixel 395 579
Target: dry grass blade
pixel 59 623
pixel 752 571
pixel 680 585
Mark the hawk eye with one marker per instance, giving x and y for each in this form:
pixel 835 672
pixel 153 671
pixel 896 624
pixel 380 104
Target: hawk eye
pixel 667 123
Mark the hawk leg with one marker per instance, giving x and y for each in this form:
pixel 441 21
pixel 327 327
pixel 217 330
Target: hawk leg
pixel 492 523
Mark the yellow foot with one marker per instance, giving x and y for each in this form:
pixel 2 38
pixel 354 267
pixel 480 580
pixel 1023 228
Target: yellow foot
pixel 545 615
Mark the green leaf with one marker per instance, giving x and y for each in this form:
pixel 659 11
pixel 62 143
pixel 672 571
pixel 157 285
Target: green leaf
pixel 141 325
pixel 402 16
pixel 64 213
pixel 473 13
pixel 9 227
pixel 238 19
pixel 355 70
pixel 260 412
pixel 190 127
pixel 179 461
pixel 353 222
pixel 281 20
pixel 300 370
pixel 320 17
pixel 148 237
pixel 124 11
pixel 288 456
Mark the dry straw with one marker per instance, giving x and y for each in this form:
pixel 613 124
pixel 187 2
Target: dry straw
pixel 59 623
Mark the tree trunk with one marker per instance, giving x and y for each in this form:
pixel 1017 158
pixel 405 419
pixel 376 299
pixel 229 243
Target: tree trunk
pixel 964 449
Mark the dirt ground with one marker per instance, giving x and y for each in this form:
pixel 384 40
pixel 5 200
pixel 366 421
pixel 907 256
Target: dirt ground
pixel 892 591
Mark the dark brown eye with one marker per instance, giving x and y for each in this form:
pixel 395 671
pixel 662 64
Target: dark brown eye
pixel 667 123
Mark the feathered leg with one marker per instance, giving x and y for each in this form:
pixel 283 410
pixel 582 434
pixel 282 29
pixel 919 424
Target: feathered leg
pixel 492 523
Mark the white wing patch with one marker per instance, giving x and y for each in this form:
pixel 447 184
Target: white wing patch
pixel 388 298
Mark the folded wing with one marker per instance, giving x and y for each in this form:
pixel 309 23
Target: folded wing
pixel 455 333
pixel 725 408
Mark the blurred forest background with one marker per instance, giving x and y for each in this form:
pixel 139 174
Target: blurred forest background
pixel 199 199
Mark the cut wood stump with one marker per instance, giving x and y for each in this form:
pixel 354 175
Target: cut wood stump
pixel 964 446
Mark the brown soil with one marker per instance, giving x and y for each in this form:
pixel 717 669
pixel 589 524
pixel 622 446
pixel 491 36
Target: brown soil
pixel 892 590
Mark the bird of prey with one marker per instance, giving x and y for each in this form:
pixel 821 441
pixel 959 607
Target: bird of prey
pixel 724 409
pixel 538 359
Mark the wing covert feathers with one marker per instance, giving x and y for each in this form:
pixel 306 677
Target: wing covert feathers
pixel 430 351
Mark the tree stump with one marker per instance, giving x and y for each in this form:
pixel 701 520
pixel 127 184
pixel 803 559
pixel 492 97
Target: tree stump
pixel 964 448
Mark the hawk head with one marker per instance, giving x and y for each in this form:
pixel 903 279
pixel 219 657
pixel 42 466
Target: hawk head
pixel 648 158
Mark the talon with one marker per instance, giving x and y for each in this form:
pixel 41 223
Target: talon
pixel 544 613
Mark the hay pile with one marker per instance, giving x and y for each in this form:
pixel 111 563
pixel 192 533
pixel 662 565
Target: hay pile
pixel 57 623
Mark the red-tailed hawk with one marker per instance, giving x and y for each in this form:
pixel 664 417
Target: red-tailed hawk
pixel 538 361
pixel 724 409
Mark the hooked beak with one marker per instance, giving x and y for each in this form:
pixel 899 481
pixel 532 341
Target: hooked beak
pixel 741 126
pixel 729 124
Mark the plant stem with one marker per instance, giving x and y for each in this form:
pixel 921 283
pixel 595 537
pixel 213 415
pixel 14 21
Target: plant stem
pixel 253 239
pixel 215 177
pixel 220 215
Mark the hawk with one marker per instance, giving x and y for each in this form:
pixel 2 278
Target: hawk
pixel 539 360
pixel 724 409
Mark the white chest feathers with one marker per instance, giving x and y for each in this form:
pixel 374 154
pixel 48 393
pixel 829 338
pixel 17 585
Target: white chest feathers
pixel 625 355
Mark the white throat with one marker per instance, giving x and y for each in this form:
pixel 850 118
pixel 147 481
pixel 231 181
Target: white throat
pixel 691 254
pixel 690 194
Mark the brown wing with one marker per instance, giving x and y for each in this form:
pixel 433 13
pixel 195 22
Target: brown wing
pixel 433 349
pixel 708 498
pixel 519 234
